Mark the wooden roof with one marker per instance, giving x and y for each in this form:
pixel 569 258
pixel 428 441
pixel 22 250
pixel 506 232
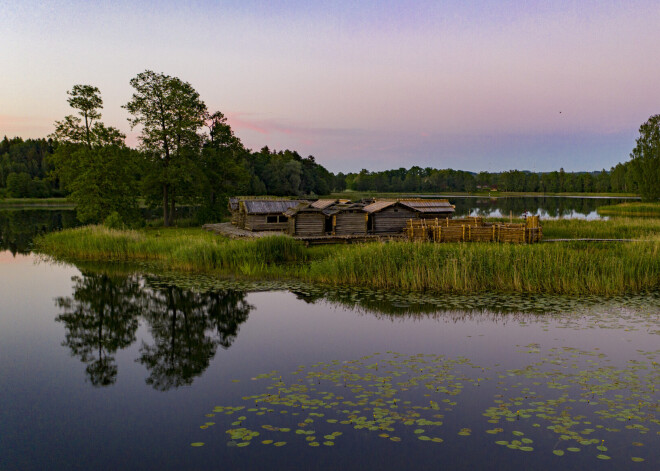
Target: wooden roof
pixel 419 205
pixel 322 204
pixel 269 206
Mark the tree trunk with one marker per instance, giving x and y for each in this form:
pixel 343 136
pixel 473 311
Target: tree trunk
pixel 172 209
pixel 166 219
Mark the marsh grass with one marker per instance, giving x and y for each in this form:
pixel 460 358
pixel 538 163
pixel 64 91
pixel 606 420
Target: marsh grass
pixel 615 228
pixel 638 209
pixel 567 268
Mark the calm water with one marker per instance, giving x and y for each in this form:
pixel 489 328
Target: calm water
pixel 104 369
pixel 544 206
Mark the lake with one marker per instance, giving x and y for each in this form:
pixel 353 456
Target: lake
pixel 104 368
pixel 110 366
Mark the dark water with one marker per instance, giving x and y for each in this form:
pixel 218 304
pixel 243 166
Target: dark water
pixel 105 369
pixel 18 227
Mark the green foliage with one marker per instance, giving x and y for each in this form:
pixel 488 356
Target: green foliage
pixel 646 159
pixel 18 185
pixel 100 180
pixel 170 114
pixel 114 221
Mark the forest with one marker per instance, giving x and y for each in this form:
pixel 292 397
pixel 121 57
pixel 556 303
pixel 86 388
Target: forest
pixel 190 156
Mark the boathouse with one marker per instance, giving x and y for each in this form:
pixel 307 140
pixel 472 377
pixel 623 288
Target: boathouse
pixel 388 217
pixel 265 215
pixel 347 219
pixel 430 208
pixel 307 219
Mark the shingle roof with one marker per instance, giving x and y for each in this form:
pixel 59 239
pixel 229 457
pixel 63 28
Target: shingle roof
pixel 322 204
pixel 269 206
pixel 437 206
pixel 378 206
pixel 233 204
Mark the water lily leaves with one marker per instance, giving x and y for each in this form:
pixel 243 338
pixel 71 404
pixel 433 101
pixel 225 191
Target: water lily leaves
pixel 576 395
pixel 197 444
pixel 637 459
pixel 603 457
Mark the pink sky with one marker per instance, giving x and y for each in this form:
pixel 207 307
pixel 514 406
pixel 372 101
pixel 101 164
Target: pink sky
pixel 470 85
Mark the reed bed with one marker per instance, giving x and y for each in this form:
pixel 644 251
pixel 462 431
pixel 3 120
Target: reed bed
pixel 631 209
pixel 569 268
pixel 578 268
pixel 190 249
pixel 615 228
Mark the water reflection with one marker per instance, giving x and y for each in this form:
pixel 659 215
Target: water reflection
pixel 18 228
pixel 186 329
pixel 100 318
pixel 544 206
pixel 102 315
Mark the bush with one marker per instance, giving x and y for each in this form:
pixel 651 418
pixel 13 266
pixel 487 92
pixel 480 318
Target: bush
pixel 114 221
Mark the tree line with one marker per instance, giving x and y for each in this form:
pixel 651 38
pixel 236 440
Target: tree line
pixel 189 155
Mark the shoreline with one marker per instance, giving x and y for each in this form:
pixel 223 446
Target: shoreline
pixel 572 268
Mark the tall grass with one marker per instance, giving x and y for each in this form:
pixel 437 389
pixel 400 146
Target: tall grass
pixel 578 268
pixel 190 249
pixel 616 228
pixel 569 268
pixel 631 209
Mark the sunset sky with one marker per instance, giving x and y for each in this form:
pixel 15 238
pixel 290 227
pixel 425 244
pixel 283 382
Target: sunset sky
pixel 471 85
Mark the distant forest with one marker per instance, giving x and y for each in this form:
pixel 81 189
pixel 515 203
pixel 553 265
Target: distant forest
pixel 188 155
pixel 26 171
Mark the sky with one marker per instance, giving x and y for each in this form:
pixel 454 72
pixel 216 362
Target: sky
pixel 472 85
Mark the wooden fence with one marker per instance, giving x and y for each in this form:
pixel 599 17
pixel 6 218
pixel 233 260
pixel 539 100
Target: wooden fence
pixel 473 230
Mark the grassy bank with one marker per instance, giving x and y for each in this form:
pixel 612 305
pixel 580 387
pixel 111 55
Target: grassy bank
pixel 631 209
pixel 572 268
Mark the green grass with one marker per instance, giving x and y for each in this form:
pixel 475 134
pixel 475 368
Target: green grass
pixel 631 209
pixel 568 268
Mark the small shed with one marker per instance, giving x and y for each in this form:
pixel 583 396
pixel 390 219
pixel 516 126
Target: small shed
pixel 232 205
pixel 306 220
pixel 389 217
pixel 347 219
pixel 266 215
pixel 430 208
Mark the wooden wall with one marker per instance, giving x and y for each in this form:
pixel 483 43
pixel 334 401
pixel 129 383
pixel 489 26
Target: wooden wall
pixel 392 219
pixel 347 223
pixel 257 222
pixel 309 224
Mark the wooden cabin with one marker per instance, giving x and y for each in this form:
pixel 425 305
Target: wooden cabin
pixel 430 208
pixel 347 219
pixel 307 220
pixel 388 217
pixel 265 215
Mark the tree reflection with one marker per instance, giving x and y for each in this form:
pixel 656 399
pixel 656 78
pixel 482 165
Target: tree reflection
pixel 100 318
pixel 186 329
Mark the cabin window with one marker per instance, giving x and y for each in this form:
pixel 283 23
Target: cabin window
pixel 396 210
pixel 283 218
pixel 271 219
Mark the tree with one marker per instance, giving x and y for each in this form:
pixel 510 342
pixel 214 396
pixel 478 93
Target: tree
pixel 645 159
pixel 87 100
pixel 101 181
pixel 170 114
pixel 93 163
